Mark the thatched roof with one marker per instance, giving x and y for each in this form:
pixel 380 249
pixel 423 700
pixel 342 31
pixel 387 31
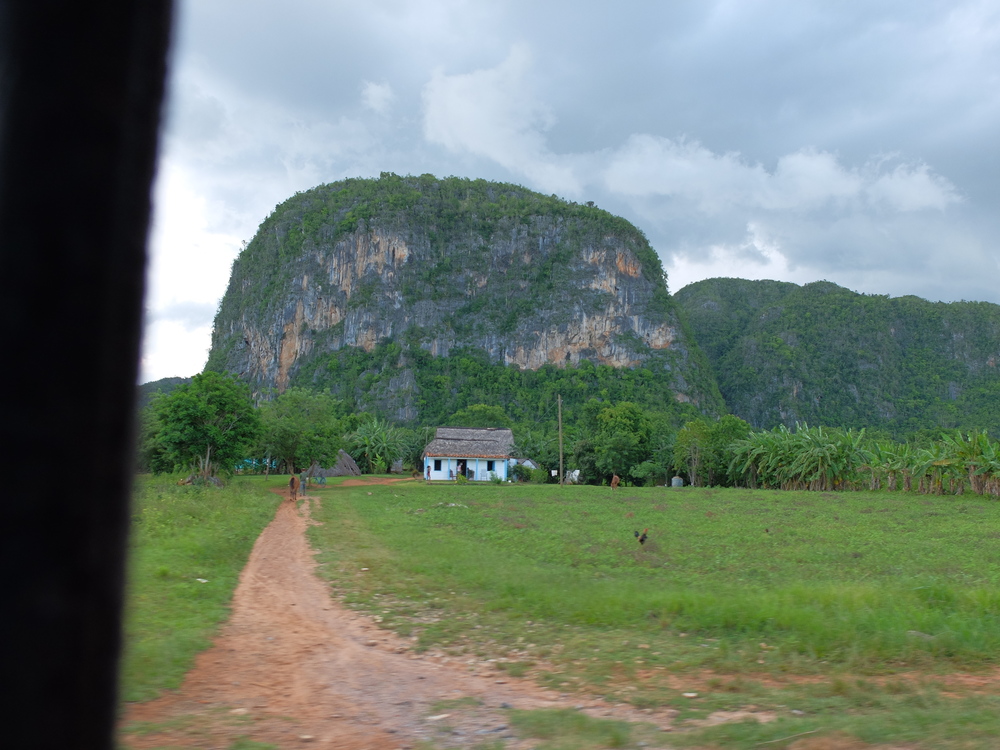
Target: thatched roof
pixel 345 467
pixel 471 442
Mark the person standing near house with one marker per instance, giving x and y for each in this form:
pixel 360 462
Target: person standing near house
pixel 428 471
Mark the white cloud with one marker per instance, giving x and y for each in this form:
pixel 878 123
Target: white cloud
pixel 172 349
pixel 190 258
pixel 188 272
pixel 377 97
pixel 912 187
pixel 190 315
pixel 806 180
pixel 756 256
pixel 684 169
pixel 494 113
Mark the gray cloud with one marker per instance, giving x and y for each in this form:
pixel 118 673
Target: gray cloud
pixel 190 315
pixel 853 141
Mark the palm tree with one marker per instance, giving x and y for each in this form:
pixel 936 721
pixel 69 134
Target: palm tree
pixel 375 445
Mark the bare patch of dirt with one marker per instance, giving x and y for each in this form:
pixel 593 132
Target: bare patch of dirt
pixel 294 668
pixel 373 480
pixel 726 717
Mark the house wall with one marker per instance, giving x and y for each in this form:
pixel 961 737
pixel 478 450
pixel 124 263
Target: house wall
pixel 476 467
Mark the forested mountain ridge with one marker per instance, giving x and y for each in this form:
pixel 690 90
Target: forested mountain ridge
pixel 415 295
pixel 146 391
pixel 825 355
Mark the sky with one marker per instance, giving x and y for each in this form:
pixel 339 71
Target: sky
pixel 856 142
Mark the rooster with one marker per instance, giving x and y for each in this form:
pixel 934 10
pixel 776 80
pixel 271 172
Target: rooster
pixel 642 537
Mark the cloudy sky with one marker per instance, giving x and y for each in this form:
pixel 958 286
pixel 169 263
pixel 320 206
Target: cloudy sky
pixel 856 141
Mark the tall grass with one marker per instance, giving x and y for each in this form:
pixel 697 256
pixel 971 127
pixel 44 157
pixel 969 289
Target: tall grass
pixel 187 547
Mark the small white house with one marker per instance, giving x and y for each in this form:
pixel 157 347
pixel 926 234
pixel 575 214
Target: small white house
pixel 477 453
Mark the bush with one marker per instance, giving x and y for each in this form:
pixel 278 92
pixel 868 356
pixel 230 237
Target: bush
pixel 521 473
pixel 649 474
pixel 539 476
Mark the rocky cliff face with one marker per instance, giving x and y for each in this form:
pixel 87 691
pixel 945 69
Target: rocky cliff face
pixel 440 264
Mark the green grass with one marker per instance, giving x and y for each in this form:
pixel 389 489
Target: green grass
pixel 570 729
pixel 744 597
pixel 181 534
pixel 858 580
pixel 844 617
pixel 924 719
pixel 453 703
pixel 242 743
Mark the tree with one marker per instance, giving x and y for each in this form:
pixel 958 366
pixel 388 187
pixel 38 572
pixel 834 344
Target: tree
pixel 616 441
pixel 722 435
pixel 704 450
pixel 375 445
pixel 479 415
pixel 690 451
pixel 149 452
pixel 208 425
pixel 301 428
pixel 540 448
pixel 413 442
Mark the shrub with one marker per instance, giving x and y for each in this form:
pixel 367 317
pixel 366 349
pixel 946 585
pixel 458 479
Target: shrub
pixel 521 473
pixel 539 476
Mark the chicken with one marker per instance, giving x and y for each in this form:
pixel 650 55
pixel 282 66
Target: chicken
pixel 642 537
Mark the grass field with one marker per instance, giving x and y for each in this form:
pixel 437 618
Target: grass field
pixel 843 613
pixel 187 548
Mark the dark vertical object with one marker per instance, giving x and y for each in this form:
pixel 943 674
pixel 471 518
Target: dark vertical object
pixel 81 82
pixel 561 474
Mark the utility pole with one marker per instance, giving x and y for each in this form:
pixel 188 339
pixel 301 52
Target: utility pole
pixel 559 401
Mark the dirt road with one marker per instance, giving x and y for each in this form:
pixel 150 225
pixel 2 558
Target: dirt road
pixel 294 668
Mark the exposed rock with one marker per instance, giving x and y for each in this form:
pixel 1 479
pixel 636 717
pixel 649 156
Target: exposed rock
pixel 439 264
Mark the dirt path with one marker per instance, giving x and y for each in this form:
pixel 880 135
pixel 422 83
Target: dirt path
pixel 292 666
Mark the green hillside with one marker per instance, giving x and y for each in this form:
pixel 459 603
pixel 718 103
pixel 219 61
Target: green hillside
pixel 825 355
pixel 146 391
pixel 415 297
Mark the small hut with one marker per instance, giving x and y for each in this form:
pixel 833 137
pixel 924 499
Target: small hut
pixel 344 467
pixel 476 453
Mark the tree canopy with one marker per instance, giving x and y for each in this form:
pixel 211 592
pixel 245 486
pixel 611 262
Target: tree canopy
pixel 301 427
pixel 479 415
pixel 207 425
pixel 616 440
